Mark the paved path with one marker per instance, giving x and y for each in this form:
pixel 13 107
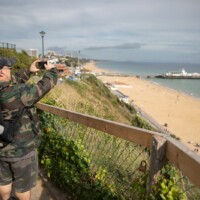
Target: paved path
pixel 45 190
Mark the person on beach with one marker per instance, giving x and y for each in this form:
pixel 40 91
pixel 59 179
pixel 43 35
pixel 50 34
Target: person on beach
pixel 18 158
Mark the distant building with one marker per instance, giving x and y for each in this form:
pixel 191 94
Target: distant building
pixel 32 52
pixel 51 54
pixel 53 60
pixel 63 70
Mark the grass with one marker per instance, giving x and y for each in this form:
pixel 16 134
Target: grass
pixel 91 96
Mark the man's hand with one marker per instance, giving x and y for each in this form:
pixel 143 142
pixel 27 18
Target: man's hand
pixel 33 67
pixel 49 66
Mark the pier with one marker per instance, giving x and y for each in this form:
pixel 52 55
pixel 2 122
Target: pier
pixel 124 75
pixel 162 76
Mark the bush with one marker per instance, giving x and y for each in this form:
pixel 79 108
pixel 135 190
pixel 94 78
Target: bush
pixel 141 123
pixel 66 162
pixel 166 187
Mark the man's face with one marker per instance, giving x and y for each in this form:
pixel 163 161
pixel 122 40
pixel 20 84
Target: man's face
pixel 5 74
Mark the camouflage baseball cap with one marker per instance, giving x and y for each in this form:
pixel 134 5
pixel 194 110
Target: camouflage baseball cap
pixel 6 62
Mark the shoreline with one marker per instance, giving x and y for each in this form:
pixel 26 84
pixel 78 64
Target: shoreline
pixel 174 90
pixel 167 106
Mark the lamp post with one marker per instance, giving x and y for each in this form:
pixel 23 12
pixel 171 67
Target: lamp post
pixel 42 33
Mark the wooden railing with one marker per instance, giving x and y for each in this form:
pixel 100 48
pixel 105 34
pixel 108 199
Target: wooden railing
pixel 163 147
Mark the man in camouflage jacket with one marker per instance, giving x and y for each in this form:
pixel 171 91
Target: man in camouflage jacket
pixel 18 159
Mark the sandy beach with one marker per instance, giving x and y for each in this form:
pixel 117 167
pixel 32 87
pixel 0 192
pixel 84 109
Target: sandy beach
pixel 180 113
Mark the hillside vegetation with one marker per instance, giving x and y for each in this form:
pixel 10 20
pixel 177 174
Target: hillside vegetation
pixel 90 96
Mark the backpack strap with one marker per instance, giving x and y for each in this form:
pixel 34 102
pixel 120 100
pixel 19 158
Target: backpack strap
pixel 1 122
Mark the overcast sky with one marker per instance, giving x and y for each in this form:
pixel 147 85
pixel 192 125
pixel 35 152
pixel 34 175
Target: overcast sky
pixel 129 30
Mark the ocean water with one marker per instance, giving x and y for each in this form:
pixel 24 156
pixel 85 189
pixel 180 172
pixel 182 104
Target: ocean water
pixel 187 86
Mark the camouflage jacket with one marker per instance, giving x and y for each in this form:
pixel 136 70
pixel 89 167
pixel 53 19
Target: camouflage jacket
pixel 16 95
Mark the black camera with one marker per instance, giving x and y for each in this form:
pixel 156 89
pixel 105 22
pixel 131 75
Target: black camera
pixel 41 64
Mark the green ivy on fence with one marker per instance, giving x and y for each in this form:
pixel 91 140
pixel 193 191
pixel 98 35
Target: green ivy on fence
pixel 167 187
pixel 67 164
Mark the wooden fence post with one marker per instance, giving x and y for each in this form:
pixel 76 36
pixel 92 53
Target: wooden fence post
pixel 157 160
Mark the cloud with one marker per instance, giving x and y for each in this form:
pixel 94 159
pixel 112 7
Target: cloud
pixel 121 46
pixel 107 25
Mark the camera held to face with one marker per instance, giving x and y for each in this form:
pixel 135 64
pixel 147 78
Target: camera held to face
pixel 41 64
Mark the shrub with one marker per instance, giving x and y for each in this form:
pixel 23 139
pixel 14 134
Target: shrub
pixel 167 187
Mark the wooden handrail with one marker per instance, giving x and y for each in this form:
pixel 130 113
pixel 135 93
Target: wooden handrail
pixel 130 133
pixel 177 153
pixel 184 159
